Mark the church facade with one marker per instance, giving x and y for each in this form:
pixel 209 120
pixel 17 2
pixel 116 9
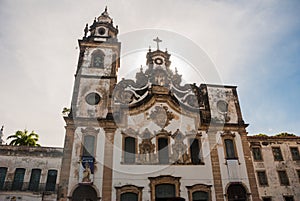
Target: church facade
pixel 150 138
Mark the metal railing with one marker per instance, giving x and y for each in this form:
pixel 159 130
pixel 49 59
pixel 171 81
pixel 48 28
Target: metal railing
pixel 27 186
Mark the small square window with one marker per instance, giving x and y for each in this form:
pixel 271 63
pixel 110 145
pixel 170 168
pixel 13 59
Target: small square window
pixel 262 178
pixel 295 153
pixel 267 199
pixel 283 178
pixel 277 154
pixel 288 198
pixel 256 154
pixel 298 173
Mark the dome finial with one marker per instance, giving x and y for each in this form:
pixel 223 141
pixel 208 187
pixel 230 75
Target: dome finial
pixel 157 40
pixel 105 13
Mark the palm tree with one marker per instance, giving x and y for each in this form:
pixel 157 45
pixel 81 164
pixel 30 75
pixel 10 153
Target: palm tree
pixel 23 138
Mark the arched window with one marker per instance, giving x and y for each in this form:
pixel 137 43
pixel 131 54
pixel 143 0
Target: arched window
pixel 230 150
pixel 200 196
pixel 51 180
pixel 163 187
pixel 195 151
pixel 88 145
pixel 34 180
pixel 129 196
pixel 3 171
pixel 18 179
pixel 84 192
pixel 165 191
pixel 129 150
pixel 129 192
pixel 236 192
pixel 97 59
pixel 163 150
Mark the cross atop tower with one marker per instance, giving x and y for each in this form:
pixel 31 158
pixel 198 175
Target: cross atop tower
pixel 157 40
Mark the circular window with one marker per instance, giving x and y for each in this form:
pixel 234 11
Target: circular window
pixel 93 98
pixel 222 106
pixel 158 61
pixel 101 31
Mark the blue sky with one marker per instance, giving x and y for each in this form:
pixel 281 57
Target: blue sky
pixel 254 45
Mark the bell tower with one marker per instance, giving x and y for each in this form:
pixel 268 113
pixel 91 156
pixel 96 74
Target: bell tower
pixel 97 67
pixel 89 125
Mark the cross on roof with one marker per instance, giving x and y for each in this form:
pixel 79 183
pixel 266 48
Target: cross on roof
pixel 157 40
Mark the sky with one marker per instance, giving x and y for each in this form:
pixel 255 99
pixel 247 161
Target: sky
pixel 254 45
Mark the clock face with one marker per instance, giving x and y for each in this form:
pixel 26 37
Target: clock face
pixel 101 31
pixel 93 98
pixel 222 106
pixel 158 61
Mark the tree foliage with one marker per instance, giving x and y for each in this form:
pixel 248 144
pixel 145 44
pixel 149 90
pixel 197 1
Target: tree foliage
pixel 261 135
pixel 24 138
pixel 284 134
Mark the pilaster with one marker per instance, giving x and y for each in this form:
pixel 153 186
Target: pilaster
pixel 215 163
pixel 108 164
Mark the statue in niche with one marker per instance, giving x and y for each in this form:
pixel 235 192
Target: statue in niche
pixel 86 173
pixel 146 147
pixel 179 148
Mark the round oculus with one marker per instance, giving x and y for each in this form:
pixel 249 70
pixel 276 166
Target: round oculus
pixel 93 98
pixel 222 106
pixel 158 61
pixel 101 31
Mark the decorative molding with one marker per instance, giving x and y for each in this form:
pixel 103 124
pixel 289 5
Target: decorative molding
pixel 199 187
pixel 129 189
pixel 161 116
pixel 164 179
pixel 180 155
pixel 228 134
pixel 147 148
pixel 130 132
pixel 90 131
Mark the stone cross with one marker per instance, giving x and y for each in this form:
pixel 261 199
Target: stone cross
pixel 157 40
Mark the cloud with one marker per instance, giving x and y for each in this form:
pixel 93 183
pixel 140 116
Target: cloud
pixel 248 41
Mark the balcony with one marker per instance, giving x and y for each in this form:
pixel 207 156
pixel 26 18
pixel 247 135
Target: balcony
pixel 29 187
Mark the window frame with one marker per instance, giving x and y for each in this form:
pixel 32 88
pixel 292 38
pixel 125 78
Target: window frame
pixel 3 179
pixel 259 151
pixel 124 150
pixel 262 181
pixel 198 138
pixel 298 173
pixel 164 179
pixel 297 156
pixel 158 149
pixel 267 198
pixel 89 131
pixel 280 155
pixel 50 188
pixel 288 196
pixel 129 189
pixel 34 186
pixel 281 177
pixel 18 185
pixel 227 135
pixel 199 187
pixel 97 53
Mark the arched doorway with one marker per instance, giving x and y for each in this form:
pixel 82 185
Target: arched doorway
pixel 236 192
pixel 84 193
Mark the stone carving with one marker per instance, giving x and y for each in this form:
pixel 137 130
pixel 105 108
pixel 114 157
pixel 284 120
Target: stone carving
pixel 161 116
pixel 130 132
pixel 146 148
pixel 129 91
pixel 179 149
